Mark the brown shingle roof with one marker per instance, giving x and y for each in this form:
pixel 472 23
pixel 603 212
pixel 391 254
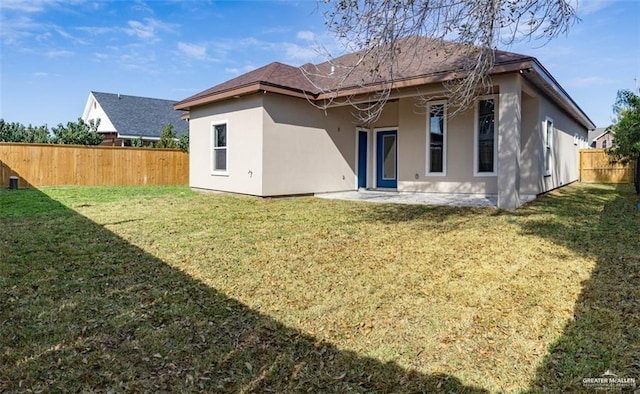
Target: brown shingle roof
pixel 437 61
pixel 416 58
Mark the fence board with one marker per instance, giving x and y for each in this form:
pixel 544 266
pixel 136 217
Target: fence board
pixel 596 167
pixel 55 165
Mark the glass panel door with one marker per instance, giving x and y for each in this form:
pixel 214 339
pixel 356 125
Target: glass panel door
pixel 387 159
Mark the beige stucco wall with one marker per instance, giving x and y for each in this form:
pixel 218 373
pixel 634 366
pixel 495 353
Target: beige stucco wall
pixel 565 154
pixel 244 146
pixel 306 150
pixel 279 145
pixel 412 140
pixel 530 147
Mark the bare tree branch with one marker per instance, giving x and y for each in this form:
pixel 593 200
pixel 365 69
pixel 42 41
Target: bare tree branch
pixel 386 39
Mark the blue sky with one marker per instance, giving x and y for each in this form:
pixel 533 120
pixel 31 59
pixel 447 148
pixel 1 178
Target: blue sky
pixel 53 53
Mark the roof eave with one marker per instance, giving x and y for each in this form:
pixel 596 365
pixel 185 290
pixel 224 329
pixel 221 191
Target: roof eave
pixel 252 88
pixel 426 79
pixel 556 92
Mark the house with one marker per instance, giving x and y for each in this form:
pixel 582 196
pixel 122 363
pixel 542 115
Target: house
pixel 267 132
pixel 601 138
pixel 125 118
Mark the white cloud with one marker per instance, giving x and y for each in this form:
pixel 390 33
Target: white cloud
pixel 148 29
pixel 140 29
pixel 43 37
pixel 94 30
pixel 301 53
pixel 193 50
pixel 58 53
pixel 142 6
pixel 100 56
pixel 137 60
pixel 63 33
pixel 235 71
pixel 14 30
pixel 306 35
pixel 586 7
pixel 28 6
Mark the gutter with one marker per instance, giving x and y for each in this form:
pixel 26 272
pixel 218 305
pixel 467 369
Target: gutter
pixel 555 87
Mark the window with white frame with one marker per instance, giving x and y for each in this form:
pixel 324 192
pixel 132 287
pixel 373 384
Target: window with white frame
pixel 485 138
pixel 604 144
pixel 219 149
pixel 437 139
pixel 548 137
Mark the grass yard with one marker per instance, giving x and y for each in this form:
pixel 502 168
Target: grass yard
pixel 163 289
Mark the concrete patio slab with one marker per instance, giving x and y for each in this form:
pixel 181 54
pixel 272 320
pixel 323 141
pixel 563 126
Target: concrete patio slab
pixel 393 197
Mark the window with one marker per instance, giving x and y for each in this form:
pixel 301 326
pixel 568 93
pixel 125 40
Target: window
pixel 548 136
pixel 436 139
pixel 604 144
pixel 219 151
pixel 485 138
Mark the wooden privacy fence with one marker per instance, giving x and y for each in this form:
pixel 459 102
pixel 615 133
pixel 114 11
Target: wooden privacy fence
pixel 55 165
pixel 596 167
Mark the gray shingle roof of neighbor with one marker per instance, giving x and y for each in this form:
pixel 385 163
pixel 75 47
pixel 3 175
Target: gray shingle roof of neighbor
pixel 141 116
pixel 596 133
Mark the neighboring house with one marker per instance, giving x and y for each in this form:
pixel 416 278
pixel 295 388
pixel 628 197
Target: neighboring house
pixel 602 138
pixel 259 133
pixel 124 118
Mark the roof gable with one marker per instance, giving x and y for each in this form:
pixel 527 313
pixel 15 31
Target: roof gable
pixel 140 116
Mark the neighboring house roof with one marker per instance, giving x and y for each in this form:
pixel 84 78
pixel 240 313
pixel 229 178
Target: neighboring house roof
pixel 336 78
pixel 598 133
pixel 134 116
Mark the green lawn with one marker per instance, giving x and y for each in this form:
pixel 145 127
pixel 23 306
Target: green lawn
pixel 163 289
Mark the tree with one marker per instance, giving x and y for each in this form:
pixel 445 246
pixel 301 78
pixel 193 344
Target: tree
pixel 183 142
pixel 17 132
pixel 167 137
pixel 37 135
pixel 137 142
pixel 626 131
pixel 468 30
pixel 79 133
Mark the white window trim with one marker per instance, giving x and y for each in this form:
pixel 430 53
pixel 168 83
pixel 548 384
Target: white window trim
pixel 444 140
pixel 212 148
pixel 476 136
pixel 548 145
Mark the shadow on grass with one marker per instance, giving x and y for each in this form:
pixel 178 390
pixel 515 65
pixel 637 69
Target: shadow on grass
pixel 81 309
pixel 605 332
